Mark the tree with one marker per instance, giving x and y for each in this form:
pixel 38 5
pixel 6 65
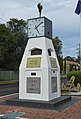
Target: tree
pixel 13 39
pixel 69 58
pixel 58 48
pixel 4 48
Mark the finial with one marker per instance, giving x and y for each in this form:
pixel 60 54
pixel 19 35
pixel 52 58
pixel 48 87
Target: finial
pixel 40 7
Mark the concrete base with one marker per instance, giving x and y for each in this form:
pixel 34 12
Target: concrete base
pixel 56 104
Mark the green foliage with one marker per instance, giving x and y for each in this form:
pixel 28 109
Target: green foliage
pixel 77 75
pixel 13 39
pixel 58 48
pixel 69 58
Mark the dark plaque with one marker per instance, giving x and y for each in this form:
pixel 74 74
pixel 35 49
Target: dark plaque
pixel 33 85
pixel 53 84
pixel 53 62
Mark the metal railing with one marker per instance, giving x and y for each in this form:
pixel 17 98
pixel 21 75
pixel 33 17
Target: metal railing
pixel 9 75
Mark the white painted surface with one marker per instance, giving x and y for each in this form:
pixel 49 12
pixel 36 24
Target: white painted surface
pixel 75 93
pixel 8 95
pixel 44 72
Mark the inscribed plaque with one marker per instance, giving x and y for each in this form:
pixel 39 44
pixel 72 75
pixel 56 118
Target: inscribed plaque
pixel 33 62
pixel 53 62
pixel 53 84
pixel 33 85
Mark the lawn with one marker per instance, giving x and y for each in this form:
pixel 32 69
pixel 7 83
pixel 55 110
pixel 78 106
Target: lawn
pixel 9 82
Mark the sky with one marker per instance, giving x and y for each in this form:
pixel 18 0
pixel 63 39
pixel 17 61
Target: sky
pixel 66 24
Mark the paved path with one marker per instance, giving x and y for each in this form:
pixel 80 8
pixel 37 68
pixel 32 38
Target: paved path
pixel 73 112
pixel 8 89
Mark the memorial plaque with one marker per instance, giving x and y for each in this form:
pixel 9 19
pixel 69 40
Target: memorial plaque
pixel 53 84
pixel 33 62
pixel 53 62
pixel 36 51
pixel 33 85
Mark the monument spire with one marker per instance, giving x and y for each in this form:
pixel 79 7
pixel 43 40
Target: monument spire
pixel 40 7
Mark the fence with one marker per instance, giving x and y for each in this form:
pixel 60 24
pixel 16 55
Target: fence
pixel 9 75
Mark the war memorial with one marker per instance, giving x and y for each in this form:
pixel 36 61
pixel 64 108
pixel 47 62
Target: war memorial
pixel 39 71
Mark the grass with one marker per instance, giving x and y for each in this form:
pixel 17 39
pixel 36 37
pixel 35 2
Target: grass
pixel 9 82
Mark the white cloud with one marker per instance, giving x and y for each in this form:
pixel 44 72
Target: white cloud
pixel 61 12
pixel 70 46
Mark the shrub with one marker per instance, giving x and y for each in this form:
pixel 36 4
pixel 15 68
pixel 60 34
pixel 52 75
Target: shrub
pixel 77 75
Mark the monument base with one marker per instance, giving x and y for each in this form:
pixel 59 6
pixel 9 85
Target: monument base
pixel 55 104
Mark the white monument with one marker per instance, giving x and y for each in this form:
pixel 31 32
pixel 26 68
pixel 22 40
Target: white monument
pixel 39 72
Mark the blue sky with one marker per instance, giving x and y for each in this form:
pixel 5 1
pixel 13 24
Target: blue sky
pixel 66 24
